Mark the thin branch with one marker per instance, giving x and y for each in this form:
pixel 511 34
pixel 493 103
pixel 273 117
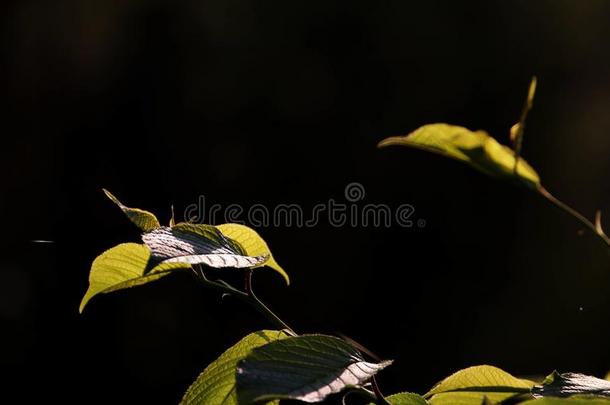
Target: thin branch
pixel 361 391
pixel 519 128
pixel 247 297
pixel 595 228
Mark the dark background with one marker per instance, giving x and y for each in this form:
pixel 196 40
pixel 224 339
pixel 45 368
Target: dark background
pixel 283 102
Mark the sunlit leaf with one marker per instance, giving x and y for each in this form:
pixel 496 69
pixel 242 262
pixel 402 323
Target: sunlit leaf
pixel 253 245
pixel 576 400
pixel 476 148
pixel 123 266
pixel 568 384
pixel 405 398
pixel 471 385
pixel 306 368
pixel 216 384
pixel 471 398
pixel 198 244
pixel 145 220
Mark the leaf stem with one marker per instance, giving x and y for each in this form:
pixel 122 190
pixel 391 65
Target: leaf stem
pixel 248 296
pixel 380 398
pixel 594 228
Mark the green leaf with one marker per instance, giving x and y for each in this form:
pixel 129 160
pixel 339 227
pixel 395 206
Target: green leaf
pixel 306 368
pixel 568 384
pixel 216 384
pixel 577 400
pixel 405 398
pixel 124 266
pixel 470 398
pixel 253 245
pixel 145 220
pixel 471 385
pixel 476 148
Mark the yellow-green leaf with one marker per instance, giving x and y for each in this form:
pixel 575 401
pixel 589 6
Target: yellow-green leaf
pixel 216 384
pixel 124 266
pixel 253 244
pixel 577 400
pixel 476 148
pixel 145 220
pixel 471 385
pixel 405 398
pixel 470 398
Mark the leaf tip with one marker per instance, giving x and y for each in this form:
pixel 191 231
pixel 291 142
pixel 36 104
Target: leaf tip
pixel 84 302
pixel 392 140
pixel 112 198
pixel 273 264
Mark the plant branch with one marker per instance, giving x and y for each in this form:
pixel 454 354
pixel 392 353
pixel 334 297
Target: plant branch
pixel 363 392
pixel 248 296
pixel 595 228
pixel 260 306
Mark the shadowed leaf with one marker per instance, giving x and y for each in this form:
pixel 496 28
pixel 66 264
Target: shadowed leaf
pixel 145 220
pixel 198 244
pixel 306 368
pixel 253 245
pixel 216 384
pixel 476 148
pixel 568 384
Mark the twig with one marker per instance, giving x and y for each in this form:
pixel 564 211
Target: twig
pixel 595 228
pixel 249 297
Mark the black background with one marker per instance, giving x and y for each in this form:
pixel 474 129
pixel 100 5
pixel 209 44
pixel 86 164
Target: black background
pixel 283 102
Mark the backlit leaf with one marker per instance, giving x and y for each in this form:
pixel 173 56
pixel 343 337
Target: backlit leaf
pixel 476 148
pixel 577 400
pixel 405 398
pixel 253 245
pixel 306 368
pixel 470 398
pixel 123 266
pixel 471 385
pixel 145 220
pixel 216 384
